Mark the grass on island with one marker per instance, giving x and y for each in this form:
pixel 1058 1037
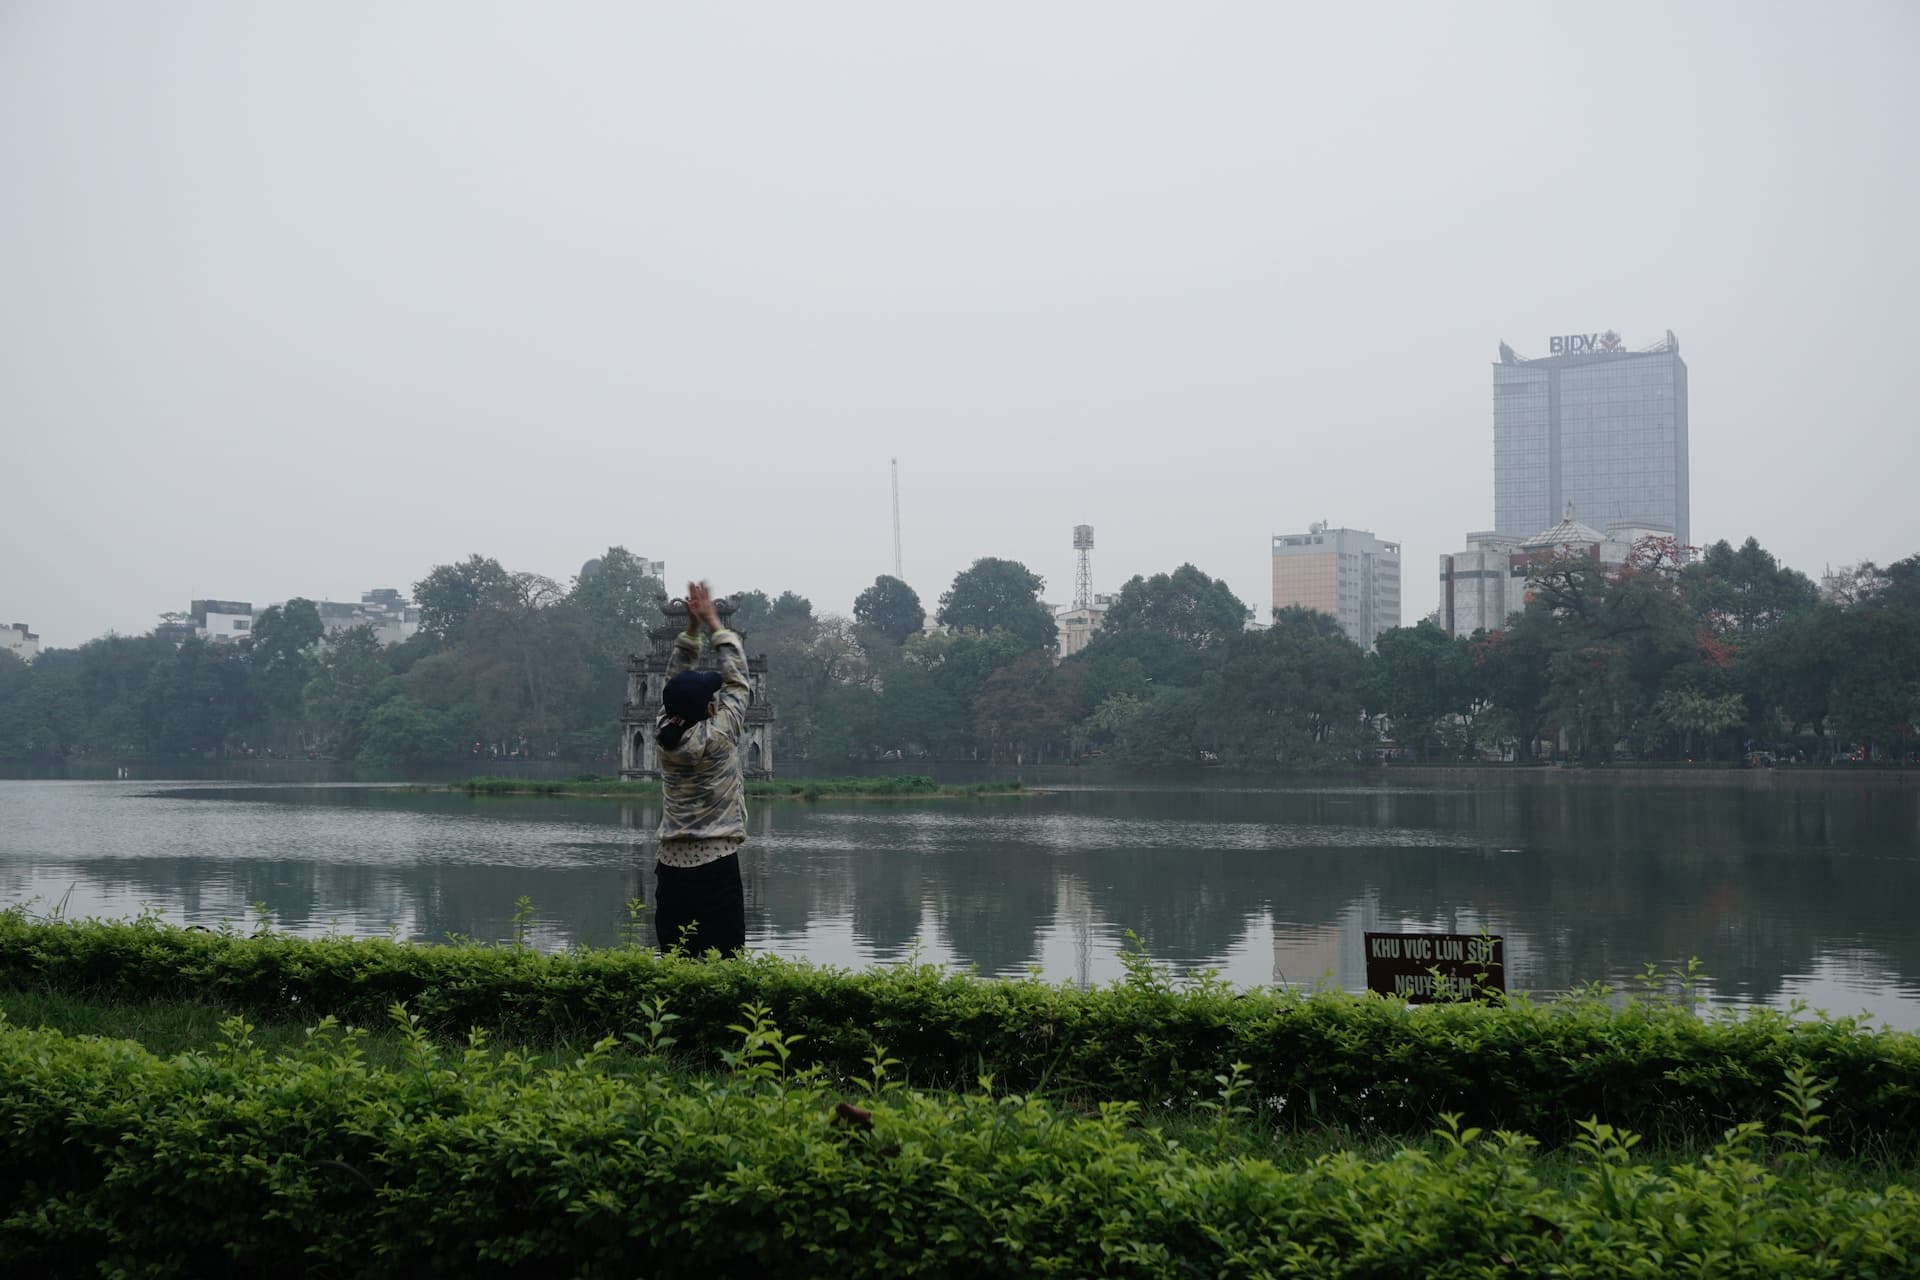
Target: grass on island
pixel 911 786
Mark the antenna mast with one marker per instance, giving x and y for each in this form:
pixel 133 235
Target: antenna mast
pixel 899 570
pixel 1083 572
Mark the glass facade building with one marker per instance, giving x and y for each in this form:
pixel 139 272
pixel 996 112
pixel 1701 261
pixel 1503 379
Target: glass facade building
pixel 1601 428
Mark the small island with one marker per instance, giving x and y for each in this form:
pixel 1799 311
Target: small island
pixel 906 787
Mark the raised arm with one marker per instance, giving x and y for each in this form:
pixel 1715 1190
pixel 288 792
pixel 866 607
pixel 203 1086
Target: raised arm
pixel 730 704
pixel 686 645
pixel 686 651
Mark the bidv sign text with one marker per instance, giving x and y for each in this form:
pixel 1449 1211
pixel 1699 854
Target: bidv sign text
pixel 1574 344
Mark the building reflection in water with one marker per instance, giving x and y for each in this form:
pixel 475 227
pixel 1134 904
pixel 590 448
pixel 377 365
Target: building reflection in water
pixel 1781 894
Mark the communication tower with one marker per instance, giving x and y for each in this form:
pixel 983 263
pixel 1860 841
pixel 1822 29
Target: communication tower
pixel 899 570
pixel 1083 572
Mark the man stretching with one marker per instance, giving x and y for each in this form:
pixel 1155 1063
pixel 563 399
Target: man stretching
pixel 700 903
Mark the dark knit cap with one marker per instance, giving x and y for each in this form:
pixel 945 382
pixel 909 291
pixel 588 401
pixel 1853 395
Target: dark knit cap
pixel 688 693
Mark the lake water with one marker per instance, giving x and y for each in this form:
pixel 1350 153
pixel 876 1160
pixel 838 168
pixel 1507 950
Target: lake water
pixel 1792 894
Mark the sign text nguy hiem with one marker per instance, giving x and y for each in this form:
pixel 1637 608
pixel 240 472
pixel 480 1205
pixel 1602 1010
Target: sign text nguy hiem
pixel 1435 966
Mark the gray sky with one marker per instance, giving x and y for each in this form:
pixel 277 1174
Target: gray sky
pixel 301 300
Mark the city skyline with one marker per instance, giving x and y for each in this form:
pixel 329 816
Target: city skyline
pixel 305 300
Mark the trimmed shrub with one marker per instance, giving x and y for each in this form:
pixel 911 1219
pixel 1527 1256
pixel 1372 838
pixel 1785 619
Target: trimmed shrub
pixel 1325 1059
pixel 235 1162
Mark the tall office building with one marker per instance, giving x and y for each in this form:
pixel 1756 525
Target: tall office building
pixel 1345 572
pixel 1593 424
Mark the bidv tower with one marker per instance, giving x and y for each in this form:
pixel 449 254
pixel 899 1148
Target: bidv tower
pixel 1594 425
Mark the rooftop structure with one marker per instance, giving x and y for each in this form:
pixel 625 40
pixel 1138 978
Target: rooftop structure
pixel 221 620
pixel 20 642
pixel 392 617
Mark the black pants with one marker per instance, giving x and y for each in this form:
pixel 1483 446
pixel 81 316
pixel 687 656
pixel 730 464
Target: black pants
pixel 701 907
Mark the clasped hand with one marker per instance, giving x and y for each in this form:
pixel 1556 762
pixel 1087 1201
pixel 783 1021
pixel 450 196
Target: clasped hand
pixel 700 605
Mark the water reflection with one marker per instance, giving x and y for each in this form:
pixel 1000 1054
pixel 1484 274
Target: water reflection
pixel 1783 895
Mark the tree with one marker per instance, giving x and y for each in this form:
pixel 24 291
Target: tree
pixel 890 607
pixel 1025 707
pixel 277 652
pixel 920 714
pixel 1420 679
pixel 1876 688
pixel 39 705
pixel 1688 712
pixel 1291 694
pixel 1610 638
pixel 620 601
pixel 534 663
pixel 755 611
pixel 928 702
pixel 1745 592
pixel 1175 625
pixel 1510 671
pixel 1793 667
pixel 400 733
pixel 1154 727
pixel 1897 586
pixel 1000 595
pixel 451 594
pixel 284 632
pixel 111 683
pixel 343 691
pixel 1200 612
pixel 196 699
pixel 1851 584
pixel 813 661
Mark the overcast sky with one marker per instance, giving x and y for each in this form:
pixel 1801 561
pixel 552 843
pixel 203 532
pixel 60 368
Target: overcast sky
pixel 306 299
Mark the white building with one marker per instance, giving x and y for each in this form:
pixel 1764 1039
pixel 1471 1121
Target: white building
pixel 1474 584
pixel 392 616
pixel 1078 627
pixel 20 642
pixel 1348 573
pixel 1481 587
pixel 222 621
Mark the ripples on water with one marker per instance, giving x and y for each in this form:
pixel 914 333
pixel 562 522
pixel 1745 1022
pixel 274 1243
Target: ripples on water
pixel 1782 895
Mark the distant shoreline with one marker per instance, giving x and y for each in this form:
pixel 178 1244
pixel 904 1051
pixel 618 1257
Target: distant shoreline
pixel 911 787
pixel 1785 777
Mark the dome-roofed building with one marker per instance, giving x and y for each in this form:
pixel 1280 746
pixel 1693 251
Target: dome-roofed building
pixel 1568 535
pixel 1483 585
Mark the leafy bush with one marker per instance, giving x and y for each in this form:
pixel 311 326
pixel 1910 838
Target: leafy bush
pixel 1326 1059
pixel 475 1163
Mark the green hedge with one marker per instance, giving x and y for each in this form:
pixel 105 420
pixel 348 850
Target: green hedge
pixel 234 1162
pixel 1323 1059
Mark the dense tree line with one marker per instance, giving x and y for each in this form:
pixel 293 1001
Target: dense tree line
pixel 1665 657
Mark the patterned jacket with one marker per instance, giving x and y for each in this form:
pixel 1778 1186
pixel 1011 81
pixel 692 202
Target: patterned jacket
pixel 704 795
